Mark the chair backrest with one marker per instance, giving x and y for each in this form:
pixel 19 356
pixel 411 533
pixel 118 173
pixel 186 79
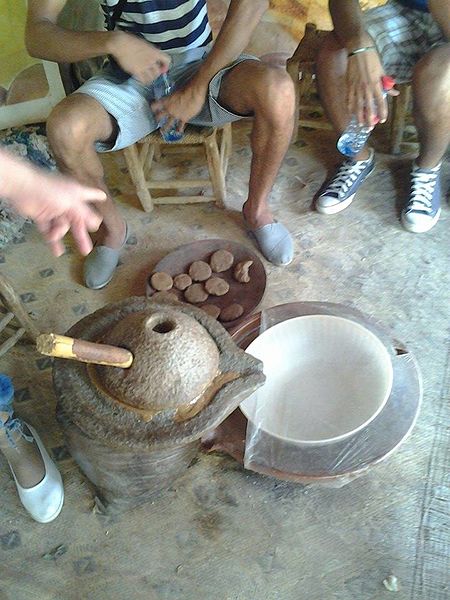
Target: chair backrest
pixel 38 109
pixel 33 110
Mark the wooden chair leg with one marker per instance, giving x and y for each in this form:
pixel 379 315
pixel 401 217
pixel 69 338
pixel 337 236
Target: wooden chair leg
pixel 136 171
pixel 147 165
pixel 215 169
pixel 11 300
pixel 225 147
pixel 293 70
pixel 400 109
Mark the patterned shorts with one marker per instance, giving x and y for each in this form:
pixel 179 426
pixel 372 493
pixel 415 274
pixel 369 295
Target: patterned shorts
pixel 128 101
pixel 402 36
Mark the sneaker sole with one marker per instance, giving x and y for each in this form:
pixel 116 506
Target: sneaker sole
pixel 412 228
pixel 336 208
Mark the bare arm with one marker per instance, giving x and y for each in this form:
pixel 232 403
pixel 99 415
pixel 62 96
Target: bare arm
pixel 55 203
pixel 45 39
pixel 240 23
pixel 440 10
pixel 348 23
pixel 242 18
pixel 364 70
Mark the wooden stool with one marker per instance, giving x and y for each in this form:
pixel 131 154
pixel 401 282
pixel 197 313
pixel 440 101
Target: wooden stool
pixel 301 68
pixel 216 143
pixel 14 320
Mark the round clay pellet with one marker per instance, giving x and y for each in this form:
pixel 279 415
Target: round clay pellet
pixel 165 297
pixel 182 281
pixel 229 313
pixel 241 273
pixel 221 260
pixel 216 286
pixel 161 281
pixel 211 309
pixel 195 293
pixel 200 271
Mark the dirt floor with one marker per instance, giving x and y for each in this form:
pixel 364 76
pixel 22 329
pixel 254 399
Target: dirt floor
pixel 221 532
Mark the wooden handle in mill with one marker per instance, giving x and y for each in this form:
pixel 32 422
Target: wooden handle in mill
pixel 61 346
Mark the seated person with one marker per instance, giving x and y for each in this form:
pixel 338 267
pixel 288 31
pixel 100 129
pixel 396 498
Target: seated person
pixel 56 204
pixel 408 40
pixel 215 84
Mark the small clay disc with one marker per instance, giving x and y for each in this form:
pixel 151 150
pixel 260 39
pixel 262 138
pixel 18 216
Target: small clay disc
pixel 200 271
pixel 161 281
pixel 182 281
pixel 195 293
pixel 221 260
pixel 241 273
pixel 211 309
pixel 229 313
pixel 165 297
pixel 216 286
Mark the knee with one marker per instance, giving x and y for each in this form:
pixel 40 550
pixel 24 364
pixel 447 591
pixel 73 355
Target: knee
pixel 276 94
pixel 67 129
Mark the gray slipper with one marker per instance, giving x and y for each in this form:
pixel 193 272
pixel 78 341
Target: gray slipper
pixel 275 242
pixel 101 263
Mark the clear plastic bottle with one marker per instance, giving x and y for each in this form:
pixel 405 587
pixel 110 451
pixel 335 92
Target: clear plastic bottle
pixel 162 87
pixel 355 135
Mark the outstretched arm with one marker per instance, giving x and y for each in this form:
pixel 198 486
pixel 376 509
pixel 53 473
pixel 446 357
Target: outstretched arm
pixel 45 39
pixel 242 18
pixel 55 203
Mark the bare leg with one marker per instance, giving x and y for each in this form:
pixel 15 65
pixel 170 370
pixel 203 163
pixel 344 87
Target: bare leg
pixel 25 458
pixel 431 93
pixel 267 93
pixel 331 69
pixel 73 128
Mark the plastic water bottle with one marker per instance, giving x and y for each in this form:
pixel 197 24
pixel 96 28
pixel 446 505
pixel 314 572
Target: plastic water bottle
pixel 356 135
pixel 162 87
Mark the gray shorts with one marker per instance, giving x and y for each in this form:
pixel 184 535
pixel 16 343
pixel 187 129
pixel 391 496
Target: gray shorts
pixel 402 36
pixel 128 101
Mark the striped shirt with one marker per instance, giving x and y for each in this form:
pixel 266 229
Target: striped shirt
pixel 172 25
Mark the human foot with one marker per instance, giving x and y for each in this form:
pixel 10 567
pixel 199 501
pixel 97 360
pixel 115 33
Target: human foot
pixel 271 237
pixel 37 479
pixel 100 264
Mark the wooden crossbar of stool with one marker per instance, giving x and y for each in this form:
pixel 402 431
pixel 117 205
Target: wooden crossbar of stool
pixel 214 141
pixel 301 67
pixel 14 320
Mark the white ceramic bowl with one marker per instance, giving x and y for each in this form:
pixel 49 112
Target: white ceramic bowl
pixel 327 378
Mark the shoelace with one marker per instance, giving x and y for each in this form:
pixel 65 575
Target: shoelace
pixel 12 426
pixel 422 187
pixel 346 176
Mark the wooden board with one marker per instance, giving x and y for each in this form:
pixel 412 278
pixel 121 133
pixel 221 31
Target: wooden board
pixel 249 295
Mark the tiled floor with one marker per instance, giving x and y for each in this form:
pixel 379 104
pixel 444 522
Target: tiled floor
pixel 221 532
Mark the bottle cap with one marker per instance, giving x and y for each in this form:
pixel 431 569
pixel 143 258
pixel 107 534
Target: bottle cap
pixel 387 82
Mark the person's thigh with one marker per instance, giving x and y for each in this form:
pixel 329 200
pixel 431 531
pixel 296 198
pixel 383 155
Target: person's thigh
pixel 402 36
pixel 127 103
pixel 216 110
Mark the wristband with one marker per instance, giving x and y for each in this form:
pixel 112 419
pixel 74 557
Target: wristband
pixel 358 50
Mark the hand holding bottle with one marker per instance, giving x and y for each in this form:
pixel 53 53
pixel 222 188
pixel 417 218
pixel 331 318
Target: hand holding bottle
pixel 355 135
